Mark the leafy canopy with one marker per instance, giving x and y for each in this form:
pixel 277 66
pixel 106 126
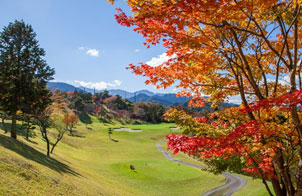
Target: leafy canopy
pixel 251 49
pixel 23 72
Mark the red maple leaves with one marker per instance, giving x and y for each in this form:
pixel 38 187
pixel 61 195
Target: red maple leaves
pixel 255 141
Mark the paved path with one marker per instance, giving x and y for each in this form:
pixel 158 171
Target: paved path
pixel 233 184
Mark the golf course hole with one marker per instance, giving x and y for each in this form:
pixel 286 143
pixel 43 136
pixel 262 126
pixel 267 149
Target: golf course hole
pixel 127 129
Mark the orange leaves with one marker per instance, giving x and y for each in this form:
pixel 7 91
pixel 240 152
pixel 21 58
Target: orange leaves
pixel 118 10
pixel 229 133
pixel 70 120
pixel 222 49
pixel 283 102
pixel 196 102
pixel 110 1
pixel 198 32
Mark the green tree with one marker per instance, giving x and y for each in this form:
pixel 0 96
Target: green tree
pixel 23 72
pixel 78 104
pixel 27 125
pixel 150 112
pixel 57 122
pixel 109 133
pixel 104 94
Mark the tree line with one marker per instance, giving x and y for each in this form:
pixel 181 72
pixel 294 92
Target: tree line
pixel 24 95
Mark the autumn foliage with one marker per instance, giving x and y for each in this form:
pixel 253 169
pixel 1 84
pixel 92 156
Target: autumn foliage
pixel 70 121
pixel 256 141
pixel 248 49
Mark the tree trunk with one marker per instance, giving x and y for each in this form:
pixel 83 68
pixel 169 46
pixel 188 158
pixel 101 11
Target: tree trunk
pixel 284 172
pixel 266 186
pixel 27 130
pixel 3 123
pixel 299 179
pixel 44 134
pixel 27 133
pixel 13 131
pixel 70 131
pixel 48 146
pixel 277 188
pixel 296 118
pixel 55 144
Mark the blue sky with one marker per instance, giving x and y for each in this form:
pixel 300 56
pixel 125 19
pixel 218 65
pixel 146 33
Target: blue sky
pixel 83 42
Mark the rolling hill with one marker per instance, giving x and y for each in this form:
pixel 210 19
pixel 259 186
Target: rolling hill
pixel 163 99
pixel 168 99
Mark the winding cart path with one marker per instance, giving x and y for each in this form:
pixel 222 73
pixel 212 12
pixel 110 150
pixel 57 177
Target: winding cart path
pixel 233 184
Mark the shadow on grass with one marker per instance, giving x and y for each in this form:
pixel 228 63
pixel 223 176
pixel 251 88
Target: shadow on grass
pixel 114 140
pixel 20 131
pixel 75 133
pixel 34 155
pixel 33 142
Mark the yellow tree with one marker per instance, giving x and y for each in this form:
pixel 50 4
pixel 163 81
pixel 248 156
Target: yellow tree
pixel 249 48
pixel 58 114
pixel 53 117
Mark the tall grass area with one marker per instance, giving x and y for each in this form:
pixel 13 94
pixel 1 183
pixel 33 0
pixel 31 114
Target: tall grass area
pixel 88 163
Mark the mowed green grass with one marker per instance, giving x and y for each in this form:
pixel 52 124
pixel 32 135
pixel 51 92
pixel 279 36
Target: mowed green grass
pixel 91 164
pixel 253 187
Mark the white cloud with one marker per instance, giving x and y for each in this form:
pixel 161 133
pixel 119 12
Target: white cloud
pixel 90 51
pixel 117 82
pixel 93 52
pixel 235 99
pixel 97 85
pixel 83 48
pixel 156 61
pixel 137 50
pixel 285 80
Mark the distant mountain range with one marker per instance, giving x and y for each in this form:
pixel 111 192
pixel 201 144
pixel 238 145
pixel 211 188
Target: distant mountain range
pixel 126 94
pixel 164 99
pixel 138 96
pixel 64 87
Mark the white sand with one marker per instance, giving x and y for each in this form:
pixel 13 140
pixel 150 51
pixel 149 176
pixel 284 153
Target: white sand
pixel 127 129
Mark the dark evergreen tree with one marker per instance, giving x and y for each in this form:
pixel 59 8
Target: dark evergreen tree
pixel 105 94
pixel 23 72
pixel 78 104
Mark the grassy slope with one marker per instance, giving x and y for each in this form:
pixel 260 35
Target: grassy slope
pixel 91 164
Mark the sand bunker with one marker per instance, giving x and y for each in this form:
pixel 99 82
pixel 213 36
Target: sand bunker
pixel 174 128
pixel 127 129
